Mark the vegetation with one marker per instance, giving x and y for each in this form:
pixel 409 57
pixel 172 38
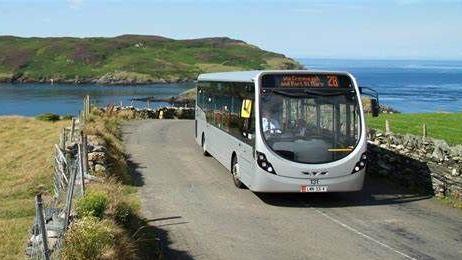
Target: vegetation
pixel 97 234
pixel 451 201
pixel 93 204
pixel 446 126
pixel 106 126
pixel 110 208
pixel 88 238
pixel 48 117
pixel 128 59
pixel 25 169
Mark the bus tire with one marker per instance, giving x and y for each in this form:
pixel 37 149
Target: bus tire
pixel 204 147
pixel 235 172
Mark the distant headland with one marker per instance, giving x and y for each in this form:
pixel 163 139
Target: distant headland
pixel 128 59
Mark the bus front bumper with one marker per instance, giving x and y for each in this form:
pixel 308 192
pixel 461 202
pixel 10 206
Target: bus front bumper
pixel 266 182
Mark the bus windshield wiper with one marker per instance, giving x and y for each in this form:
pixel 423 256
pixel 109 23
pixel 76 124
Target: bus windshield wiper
pixel 310 92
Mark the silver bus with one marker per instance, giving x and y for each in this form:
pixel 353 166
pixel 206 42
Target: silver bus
pixel 284 131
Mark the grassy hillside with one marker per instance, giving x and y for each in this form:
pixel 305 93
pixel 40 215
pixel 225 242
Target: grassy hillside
pixel 128 59
pixel 439 125
pixel 25 165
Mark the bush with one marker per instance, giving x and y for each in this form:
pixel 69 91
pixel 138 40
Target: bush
pixel 94 204
pixel 48 117
pixel 88 238
pixel 123 213
pixel 67 117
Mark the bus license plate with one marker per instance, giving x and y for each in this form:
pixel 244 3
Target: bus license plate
pixel 313 189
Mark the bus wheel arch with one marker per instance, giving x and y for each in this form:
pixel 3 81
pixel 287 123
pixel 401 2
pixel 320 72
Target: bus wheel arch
pixel 235 171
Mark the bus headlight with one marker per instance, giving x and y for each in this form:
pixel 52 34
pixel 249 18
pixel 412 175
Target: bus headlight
pixel 264 164
pixel 361 164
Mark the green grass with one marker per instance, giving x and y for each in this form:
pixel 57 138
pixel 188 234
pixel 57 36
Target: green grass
pixel 25 168
pixel 446 126
pixel 114 202
pixel 64 59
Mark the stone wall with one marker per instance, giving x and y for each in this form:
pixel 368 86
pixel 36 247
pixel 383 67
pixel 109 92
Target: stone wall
pixel 131 112
pixel 97 154
pixel 422 164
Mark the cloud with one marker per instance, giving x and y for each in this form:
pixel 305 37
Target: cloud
pixel 75 4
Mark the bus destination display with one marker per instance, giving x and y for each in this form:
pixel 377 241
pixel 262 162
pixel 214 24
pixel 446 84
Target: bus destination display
pixel 306 81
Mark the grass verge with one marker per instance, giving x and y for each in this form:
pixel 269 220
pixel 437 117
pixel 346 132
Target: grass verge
pixel 446 126
pixel 25 168
pixel 110 209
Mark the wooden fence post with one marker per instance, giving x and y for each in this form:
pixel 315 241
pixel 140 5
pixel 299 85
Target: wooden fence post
pixel 87 106
pixel 424 130
pixel 81 169
pixel 84 156
pixel 62 140
pixel 387 127
pixel 72 129
pixel 70 193
pixel 41 222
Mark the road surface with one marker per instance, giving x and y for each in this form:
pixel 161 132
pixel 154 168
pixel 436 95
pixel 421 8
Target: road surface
pixel 199 213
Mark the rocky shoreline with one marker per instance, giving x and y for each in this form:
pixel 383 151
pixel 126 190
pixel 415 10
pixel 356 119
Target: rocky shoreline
pixel 107 79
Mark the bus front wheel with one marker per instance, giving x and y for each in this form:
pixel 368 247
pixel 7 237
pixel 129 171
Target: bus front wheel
pixel 236 173
pixel 204 147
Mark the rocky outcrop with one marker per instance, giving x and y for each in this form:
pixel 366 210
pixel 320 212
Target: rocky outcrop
pixel 423 164
pixel 367 107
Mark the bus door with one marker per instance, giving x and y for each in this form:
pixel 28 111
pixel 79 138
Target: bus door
pixel 246 148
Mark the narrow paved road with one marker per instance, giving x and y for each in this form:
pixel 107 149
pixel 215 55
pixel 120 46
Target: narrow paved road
pixel 199 213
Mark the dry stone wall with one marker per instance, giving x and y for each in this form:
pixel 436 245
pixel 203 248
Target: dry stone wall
pixel 131 112
pixel 420 163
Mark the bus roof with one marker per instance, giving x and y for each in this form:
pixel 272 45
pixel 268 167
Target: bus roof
pixel 247 76
pixel 239 76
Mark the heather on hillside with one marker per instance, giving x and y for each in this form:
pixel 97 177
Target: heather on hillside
pixel 128 59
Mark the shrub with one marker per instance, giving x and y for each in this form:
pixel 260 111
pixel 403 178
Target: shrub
pixel 88 238
pixel 67 117
pixel 48 117
pixel 123 213
pixel 94 204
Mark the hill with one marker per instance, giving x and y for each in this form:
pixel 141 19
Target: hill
pixel 128 59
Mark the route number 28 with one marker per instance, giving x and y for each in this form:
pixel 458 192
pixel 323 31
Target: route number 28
pixel 332 81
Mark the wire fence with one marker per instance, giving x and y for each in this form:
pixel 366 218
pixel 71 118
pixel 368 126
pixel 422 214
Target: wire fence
pixel 55 213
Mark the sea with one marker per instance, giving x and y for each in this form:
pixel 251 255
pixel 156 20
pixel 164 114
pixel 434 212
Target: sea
pixel 67 99
pixel 409 86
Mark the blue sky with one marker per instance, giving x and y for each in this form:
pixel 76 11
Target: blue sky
pixel 403 29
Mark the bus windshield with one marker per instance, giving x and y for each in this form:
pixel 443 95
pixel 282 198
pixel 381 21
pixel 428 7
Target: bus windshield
pixel 310 125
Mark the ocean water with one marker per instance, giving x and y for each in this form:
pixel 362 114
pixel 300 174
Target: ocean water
pixel 65 99
pixel 407 85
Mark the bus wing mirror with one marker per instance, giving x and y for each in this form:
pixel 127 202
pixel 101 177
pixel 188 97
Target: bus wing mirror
pixel 246 108
pixel 375 107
